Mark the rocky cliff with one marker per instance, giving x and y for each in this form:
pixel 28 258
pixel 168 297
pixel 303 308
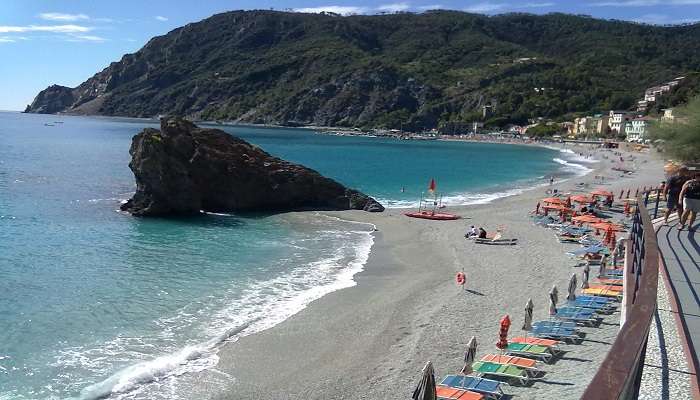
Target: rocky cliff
pixel 410 71
pixel 182 169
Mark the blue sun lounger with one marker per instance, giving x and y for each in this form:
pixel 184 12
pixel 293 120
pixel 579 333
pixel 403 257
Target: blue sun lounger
pixel 556 332
pixel 591 304
pixel 596 299
pixel 489 388
pixel 595 249
pixel 555 323
pixel 576 314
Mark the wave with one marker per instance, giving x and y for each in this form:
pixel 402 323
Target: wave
pixel 262 305
pixel 577 169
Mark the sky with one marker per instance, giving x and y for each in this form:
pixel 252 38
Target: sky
pixel 65 42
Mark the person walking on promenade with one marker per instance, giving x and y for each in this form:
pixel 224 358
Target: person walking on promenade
pixel 690 195
pixel 672 191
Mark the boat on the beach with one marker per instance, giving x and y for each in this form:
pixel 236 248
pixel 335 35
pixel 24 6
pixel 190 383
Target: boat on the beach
pixel 426 212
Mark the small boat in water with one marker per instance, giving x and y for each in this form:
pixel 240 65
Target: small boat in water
pixel 426 212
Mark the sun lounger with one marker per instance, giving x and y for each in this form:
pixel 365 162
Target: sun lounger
pixel 602 292
pixel 529 350
pixel 591 304
pixel 551 343
pixel 610 281
pixel 562 324
pixel 578 315
pixel 597 299
pixel 501 370
pixel 489 388
pixel 614 288
pixel 554 332
pixel 450 393
pixel 498 242
pixel 525 363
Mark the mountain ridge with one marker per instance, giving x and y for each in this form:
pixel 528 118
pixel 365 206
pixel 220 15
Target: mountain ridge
pixel 417 71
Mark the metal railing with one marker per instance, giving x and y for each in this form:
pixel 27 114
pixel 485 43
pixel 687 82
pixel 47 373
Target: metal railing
pixel 647 194
pixel 620 373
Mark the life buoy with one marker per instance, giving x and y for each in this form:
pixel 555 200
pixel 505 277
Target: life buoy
pixel 460 278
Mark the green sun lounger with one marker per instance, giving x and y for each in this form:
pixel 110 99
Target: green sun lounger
pixel 501 370
pixel 529 350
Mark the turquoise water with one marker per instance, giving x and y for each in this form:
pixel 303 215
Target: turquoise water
pixel 94 302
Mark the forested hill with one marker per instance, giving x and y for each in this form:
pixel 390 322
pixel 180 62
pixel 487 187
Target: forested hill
pixel 417 70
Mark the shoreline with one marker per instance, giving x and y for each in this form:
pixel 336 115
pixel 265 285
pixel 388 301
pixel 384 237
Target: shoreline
pixel 393 319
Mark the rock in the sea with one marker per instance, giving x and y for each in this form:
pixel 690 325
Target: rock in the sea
pixel 183 169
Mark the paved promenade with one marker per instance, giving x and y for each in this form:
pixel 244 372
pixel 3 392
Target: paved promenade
pixel 680 253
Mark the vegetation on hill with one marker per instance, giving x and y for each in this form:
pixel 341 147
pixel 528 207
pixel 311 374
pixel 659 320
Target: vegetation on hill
pixel 681 139
pixel 410 71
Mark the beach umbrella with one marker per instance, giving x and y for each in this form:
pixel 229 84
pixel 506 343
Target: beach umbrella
pixel 636 193
pixel 554 294
pixel 469 356
pixel 568 202
pixel 628 193
pixel 432 186
pixel 503 333
pixel 552 305
pixel 527 324
pixel 585 276
pixel 426 389
pixel 553 200
pixel 537 208
pixel 571 290
pixel 622 191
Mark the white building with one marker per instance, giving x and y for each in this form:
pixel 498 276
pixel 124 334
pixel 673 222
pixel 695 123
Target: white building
pixel 636 129
pixel 617 120
pixel 668 115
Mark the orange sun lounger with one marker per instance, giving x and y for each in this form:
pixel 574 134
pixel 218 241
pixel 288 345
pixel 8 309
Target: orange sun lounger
pixel 610 281
pixel 511 360
pixel 534 340
pixel 614 288
pixel 448 393
pixel 603 291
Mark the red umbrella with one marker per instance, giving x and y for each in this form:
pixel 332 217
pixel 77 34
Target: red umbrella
pixel 581 199
pixel 503 333
pixel 432 186
pixel 553 200
pixel 568 202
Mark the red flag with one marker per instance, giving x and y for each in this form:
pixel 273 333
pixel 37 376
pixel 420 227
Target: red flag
pixel 432 186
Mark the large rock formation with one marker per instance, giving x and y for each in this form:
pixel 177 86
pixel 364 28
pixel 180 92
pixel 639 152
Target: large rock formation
pixel 51 100
pixel 183 169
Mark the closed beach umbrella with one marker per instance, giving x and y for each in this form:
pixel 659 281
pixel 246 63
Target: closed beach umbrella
pixel 537 208
pixel 601 269
pixel 586 276
pixel 426 388
pixel 553 300
pixel 469 356
pixel 571 290
pixel 527 324
pixel 503 333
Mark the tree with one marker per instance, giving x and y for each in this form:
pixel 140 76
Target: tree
pixel 681 138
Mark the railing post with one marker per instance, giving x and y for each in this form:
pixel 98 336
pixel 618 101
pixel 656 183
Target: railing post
pixel 656 206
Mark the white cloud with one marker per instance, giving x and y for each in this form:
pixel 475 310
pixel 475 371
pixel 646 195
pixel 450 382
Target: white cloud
pixel 53 16
pixel 161 18
pixel 343 10
pixel 536 5
pixel 84 38
pixel 485 7
pixel 431 7
pixel 662 19
pixel 7 39
pixel 394 7
pixel 45 28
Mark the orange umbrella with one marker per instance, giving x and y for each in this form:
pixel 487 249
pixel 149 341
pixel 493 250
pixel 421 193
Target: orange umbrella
pixel 604 226
pixel 562 209
pixel 601 193
pixel 553 200
pixel 587 219
pixel 581 199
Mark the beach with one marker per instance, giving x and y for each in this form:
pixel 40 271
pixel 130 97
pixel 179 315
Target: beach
pixel 371 341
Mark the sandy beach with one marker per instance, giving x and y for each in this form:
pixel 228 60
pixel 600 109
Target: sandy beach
pixel 372 340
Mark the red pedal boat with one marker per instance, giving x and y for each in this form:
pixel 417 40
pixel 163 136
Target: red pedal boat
pixel 432 215
pixel 425 213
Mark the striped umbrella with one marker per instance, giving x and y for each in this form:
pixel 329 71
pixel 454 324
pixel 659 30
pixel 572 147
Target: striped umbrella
pixel 527 324
pixel 469 356
pixel 585 276
pixel 426 389
pixel 571 290
pixel 553 297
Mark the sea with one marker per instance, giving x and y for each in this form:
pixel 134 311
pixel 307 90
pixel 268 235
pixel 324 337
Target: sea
pixel 95 303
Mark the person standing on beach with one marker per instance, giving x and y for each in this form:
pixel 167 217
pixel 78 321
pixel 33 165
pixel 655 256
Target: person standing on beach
pixel 690 195
pixel 551 180
pixel 672 190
